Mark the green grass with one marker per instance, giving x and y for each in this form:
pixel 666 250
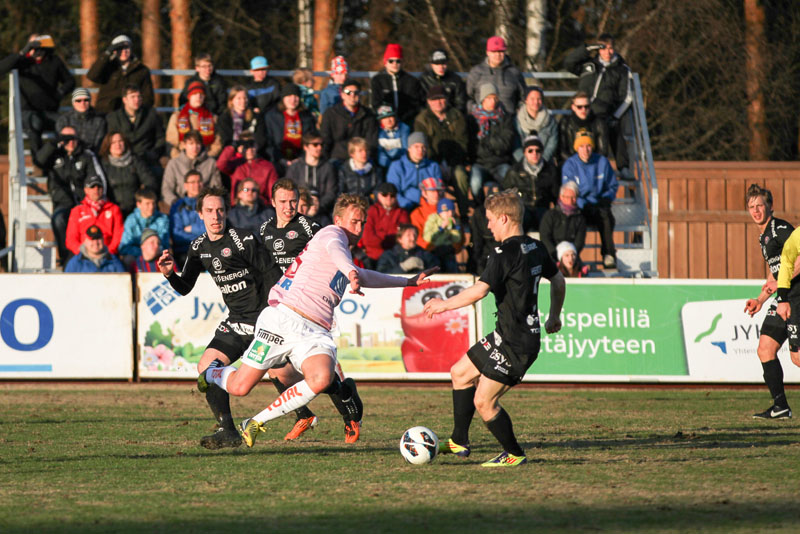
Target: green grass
pixel 124 458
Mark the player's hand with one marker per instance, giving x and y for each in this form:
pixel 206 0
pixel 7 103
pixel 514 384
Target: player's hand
pixel 422 278
pixel 752 307
pixel 770 287
pixel 355 283
pixel 784 310
pixel 166 263
pixel 434 306
pixel 552 325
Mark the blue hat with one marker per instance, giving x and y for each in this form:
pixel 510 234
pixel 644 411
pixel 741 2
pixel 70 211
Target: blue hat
pixel 258 62
pixel 445 204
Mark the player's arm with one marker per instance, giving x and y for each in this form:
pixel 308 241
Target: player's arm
pixel 469 296
pixel 753 306
pixel 558 292
pixel 182 283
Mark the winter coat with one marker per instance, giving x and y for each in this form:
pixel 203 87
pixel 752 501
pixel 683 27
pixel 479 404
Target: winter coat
pixel 42 85
pixel 67 174
pixel 322 178
pixel 390 261
pixel 597 183
pixel 506 77
pixel 392 144
pixel 454 87
pixel 82 264
pixel 173 136
pixel 406 177
pixel 132 230
pixel 419 217
pixel 380 230
pixel 538 191
pixel 448 140
pixel 123 182
pixel 548 133
pixel 108 219
pixel 216 93
pixel 176 169
pixel 339 126
pixel 253 122
pixel 89 126
pixel 250 219
pixel 556 226
pixel 274 121
pixel 330 96
pixel 145 134
pixel 610 96
pixel 183 213
pixel 264 95
pixel 359 183
pixel 239 169
pixel 569 125
pixel 410 97
pixel 112 79
pixel 439 236
pixel 496 147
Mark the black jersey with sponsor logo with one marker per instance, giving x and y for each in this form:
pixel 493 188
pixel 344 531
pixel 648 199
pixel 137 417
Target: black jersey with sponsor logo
pixel 239 266
pixel 284 244
pixel 775 235
pixel 513 272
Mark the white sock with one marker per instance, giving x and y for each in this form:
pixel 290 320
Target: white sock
pixel 293 398
pixel 219 376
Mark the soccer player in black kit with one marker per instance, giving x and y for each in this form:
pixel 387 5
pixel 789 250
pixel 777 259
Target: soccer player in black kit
pixel 285 236
pixel 241 267
pixel 774 233
pixel 499 361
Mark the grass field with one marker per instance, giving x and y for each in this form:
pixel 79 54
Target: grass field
pixel 124 458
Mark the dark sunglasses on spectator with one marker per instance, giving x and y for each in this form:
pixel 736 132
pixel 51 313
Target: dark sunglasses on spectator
pixel 533 150
pixel 81 100
pixel 394 61
pixel 248 189
pixel 315 143
pixel 94 185
pixel 582 107
pixel 350 92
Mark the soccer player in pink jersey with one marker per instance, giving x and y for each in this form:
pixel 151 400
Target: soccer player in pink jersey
pixel 295 327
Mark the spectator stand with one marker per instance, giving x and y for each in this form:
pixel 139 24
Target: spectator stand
pixel 636 210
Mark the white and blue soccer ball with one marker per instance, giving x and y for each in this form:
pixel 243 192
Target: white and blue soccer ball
pixel 419 445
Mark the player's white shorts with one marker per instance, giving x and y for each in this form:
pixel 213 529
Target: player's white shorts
pixel 282 335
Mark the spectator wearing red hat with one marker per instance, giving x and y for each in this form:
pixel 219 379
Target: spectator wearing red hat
pixel 331 95
pixel 216 88
pixel 498 70
pixel 194 116
pixel 94 210
pixel 397 88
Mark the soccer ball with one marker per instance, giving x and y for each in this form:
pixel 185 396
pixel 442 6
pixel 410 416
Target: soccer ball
pixel 419 445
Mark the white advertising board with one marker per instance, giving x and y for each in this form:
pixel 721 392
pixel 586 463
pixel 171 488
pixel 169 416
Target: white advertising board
pixel 66 326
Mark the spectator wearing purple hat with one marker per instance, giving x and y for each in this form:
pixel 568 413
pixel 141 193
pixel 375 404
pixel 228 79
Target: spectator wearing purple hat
pixel 498 70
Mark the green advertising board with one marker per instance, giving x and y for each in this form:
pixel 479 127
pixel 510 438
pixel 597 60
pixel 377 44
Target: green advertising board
pixel 631 328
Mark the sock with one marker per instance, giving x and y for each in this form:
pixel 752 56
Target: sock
pixel 293 398
pixel 303 412
pixel 463 410
pixel 773 377
pixel 501 428
pixel 219 376
pixel 341 395
pixel 220 403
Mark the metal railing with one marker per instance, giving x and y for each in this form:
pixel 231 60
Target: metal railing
pixel 645 169
pixel 17 178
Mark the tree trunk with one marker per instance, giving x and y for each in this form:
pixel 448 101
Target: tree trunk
pixel 304 33
pixel 535 48
pixel 380 26
pixel 89 36
pixel 754 42
pixel 181 42
pixel 324 23
pixel 151 37
pixel 502 18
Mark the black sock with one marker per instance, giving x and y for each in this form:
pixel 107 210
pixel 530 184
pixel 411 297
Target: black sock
pixel 463 410
pixel 501 428
pixel 340 393
pixel 773 377
pixel 303 412
pixel 220 403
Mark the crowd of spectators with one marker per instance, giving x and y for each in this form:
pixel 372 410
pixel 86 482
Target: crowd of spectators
pixel 426 152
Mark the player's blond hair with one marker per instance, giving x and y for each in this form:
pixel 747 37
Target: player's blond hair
pixel 346 201
pixel 506 202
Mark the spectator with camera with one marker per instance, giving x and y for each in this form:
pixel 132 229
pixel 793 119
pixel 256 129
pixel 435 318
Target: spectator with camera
pixel 241 161
pixel 44 80
pixel 533 118
pixel 192 157
pixel 286 123
pixel 394 87
pixel 314 173
pixel 125 173
pixel 239 120
pixel 216 88
pixel 144 217
pixel 142 127
pixel 249 212
pixel 406 257
pixel 68 166
pixel 581 117
pixel 264 91
pixel 89 126
pixel 452 86
pixel 95 209
pixel 537 181
pixel 497 70
pixel 194 116
pixel 115 69
pixel 93 255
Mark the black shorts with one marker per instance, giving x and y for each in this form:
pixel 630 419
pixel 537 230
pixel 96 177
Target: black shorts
pixel 793 325
pixel 232 339
pixel 774 326
pixel 495 360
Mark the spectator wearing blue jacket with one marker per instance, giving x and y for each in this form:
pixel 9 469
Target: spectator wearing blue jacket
pixel 392 137
pixel 408 172
pixel 144 216
pixel 94 256
pixel 184 221
pixel 597 189
pixel 331 95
